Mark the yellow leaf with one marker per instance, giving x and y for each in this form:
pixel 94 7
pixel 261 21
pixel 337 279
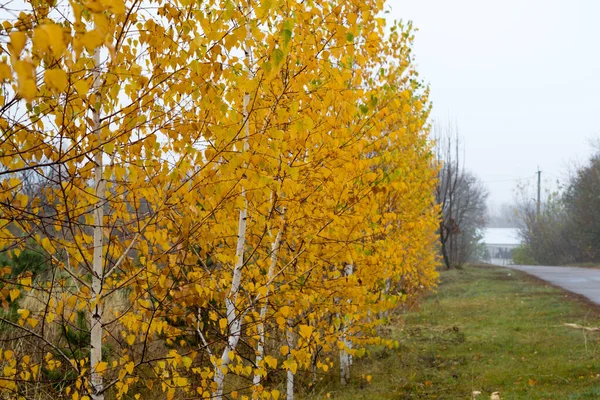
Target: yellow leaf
pixel 293 366
pixel 129 367
pixel 130 339
pixel 82 87
pixel 223 323
pixel 23 313
pixel 115 6
pixel 285 311
pixel 91 40
pixel 46 244
pixel 187 361
pixel 101 23
pixel 101 367
pixel 271 362
pixel 41 41
pixel 55 38
pixel 352 18
pixel 306 331
pixel 27 89
pixel 275 394
pixel 5 72
pixel 72 301
pixel 14 293
pixel 56 79
pixel 284 350
pixel 109 148
pixel 17 42
pixel 180 381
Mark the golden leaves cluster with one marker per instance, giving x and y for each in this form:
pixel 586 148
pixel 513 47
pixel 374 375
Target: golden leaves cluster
pixel 336 160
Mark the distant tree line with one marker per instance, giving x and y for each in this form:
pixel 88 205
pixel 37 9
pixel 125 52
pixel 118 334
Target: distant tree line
pixel 567 228
pixel 502 216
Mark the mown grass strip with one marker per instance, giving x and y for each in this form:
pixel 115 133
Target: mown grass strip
pixel 486 330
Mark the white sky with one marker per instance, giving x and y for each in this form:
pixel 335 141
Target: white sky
pixel 521 78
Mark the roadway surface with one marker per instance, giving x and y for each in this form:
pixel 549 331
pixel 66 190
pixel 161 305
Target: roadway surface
pixel 583 281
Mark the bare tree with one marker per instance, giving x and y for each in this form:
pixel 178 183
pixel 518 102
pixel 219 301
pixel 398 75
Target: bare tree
pixel 461 197
pixel 469 211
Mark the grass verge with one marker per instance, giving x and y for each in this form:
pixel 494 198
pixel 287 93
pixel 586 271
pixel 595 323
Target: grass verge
pixel 487 329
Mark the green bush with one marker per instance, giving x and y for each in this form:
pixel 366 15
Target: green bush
pixel 32 260
pixel 522 255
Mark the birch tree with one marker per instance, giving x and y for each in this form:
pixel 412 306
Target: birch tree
pixel 211 170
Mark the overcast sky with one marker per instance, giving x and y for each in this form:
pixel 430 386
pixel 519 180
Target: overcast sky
pixel 521 78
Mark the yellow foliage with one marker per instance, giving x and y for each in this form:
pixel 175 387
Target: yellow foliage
pixel 17 42
pixel 56 79
pixel 101 367
pixel 266 180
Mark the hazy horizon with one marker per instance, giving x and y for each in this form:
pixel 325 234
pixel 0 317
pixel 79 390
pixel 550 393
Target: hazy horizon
pixel 519 79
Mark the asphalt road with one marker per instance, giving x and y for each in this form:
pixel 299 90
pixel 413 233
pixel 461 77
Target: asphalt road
pixel 583 281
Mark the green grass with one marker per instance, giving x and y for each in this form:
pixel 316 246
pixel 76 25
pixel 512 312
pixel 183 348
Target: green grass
pixel 487 329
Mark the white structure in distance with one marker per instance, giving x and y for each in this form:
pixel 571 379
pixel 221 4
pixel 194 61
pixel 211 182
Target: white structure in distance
pixel 498 245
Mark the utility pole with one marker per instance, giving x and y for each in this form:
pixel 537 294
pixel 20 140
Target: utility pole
pixel 539 187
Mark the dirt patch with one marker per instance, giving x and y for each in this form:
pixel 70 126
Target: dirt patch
pixel 438 334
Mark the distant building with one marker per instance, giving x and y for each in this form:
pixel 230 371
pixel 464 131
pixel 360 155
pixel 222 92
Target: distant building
pixel 499 244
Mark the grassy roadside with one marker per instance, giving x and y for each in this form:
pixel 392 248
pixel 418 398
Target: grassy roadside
pixel 487 329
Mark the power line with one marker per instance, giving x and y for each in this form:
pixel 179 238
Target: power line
pixel 510 179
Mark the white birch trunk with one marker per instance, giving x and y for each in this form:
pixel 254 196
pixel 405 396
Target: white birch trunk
pixel 388 286
pixel 345 358
pixel 290 375
pixel 260 349
pixel 235 331
pixel 97 262
pixel 234 317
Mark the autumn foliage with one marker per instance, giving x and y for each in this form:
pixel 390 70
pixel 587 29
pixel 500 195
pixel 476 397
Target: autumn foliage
pixel 220 196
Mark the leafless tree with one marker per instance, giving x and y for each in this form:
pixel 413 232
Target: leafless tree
pixel 462 200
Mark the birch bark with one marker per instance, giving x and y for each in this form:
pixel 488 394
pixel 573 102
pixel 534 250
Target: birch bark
pixel 345 358
pixel 97 260
pixel 290 375
pixel 234 317
pixel 260 350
